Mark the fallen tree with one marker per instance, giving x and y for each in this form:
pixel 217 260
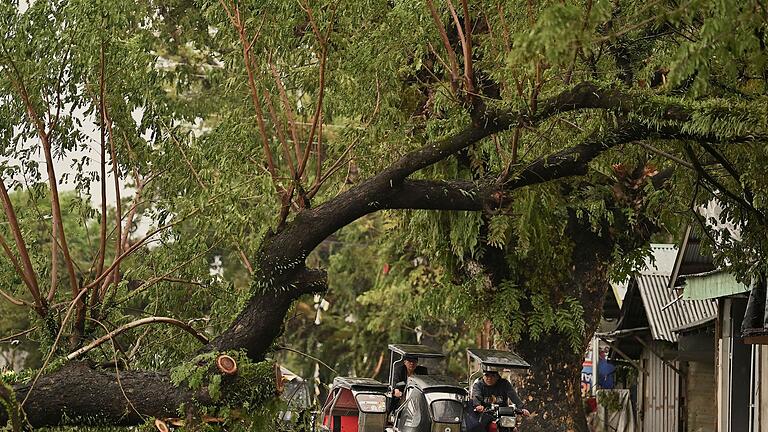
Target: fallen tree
pixel 302 210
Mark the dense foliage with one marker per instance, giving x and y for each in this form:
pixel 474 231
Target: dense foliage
pixel 219 151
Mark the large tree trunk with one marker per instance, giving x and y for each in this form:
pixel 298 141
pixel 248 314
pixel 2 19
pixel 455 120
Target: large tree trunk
pixel 553 387
pixel 551 390
pixel 80 394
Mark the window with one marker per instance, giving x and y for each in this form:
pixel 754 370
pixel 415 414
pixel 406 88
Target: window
pixel 446 411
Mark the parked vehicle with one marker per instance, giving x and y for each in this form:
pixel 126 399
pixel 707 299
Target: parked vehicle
pixel 430 403
pixel 479 361
pixel 355 405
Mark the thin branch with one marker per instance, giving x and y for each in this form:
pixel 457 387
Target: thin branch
pixel 465 38
pixel 454 69
pixel 440 59
pixel 315 29
pixel 60 79
pixel 118 200
pixel 245 260
pixel 721 188
pixel 183 281
pixel 14 300
pixel 227 10
pixel 16 266
pixel 577 47
pixel 17 335
pixel 255 98
pixel 316 117
pixel 285 348
pixel 640 24
pixel 103 167
pixel 728 167
pixel 133 324
pixel 319 160
pixel 186 160
pixel 117 369
pixel 72 304
pixel 54 267
pixel 504 27
pixel 52 183
pixel 287 107
pixel 280 134
pixel 322 41
pixel 28 273
pixel 143 287
pixel 134 247
pixel 338 163
pixel 666 155
pixel 132 210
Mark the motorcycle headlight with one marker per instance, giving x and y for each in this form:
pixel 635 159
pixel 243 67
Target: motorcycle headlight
pixel 507 422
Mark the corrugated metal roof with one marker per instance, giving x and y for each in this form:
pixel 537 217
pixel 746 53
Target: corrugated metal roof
pixel 678 312
pixel 664 309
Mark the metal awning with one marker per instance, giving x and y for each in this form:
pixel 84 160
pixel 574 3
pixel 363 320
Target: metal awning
pixel 359 383
pixel 695 325
pixel 712 285
pixel 618 334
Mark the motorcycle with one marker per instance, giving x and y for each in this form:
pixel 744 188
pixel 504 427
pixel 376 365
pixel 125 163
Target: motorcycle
pixel 503 419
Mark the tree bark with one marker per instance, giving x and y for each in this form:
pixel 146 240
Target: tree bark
pixel 79 394
pixel 553 386
pixel 552 389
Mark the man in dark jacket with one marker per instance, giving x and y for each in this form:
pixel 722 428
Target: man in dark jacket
pixel 409 367
pixel 492 388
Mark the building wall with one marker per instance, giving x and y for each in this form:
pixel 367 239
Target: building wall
pixel 660 407
pixel 740 398
pixel 701 394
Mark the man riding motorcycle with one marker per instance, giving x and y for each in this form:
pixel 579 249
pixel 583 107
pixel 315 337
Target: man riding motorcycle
pixel 493 389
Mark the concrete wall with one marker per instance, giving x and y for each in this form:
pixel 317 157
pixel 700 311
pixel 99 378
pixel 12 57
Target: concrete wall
pixel 702 397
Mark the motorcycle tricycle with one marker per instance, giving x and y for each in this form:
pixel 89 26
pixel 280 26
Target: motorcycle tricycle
pixel 496 416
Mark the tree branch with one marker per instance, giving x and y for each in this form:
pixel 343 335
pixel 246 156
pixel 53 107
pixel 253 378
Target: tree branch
pixel 28 273
pixel 722 188
pixel 454 69
pixel 748 196
pixel 133 324
pixel 465 38
pixel 288 112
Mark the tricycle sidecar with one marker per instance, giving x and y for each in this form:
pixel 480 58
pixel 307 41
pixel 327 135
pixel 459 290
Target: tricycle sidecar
pixel 355 405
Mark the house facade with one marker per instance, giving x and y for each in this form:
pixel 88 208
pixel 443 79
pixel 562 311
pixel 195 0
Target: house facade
pixel 664 339
pixel 741 359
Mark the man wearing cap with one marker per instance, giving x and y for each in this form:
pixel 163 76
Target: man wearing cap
pixel 492 388
pixel 409 367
